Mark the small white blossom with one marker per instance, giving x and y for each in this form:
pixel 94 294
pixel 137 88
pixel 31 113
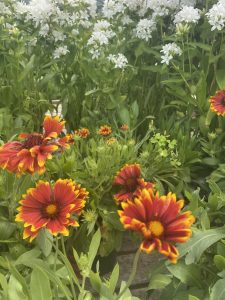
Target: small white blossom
pixel 144 29
pixel 216 15
pixel 120 61
pixel 44 30
pixel 187 14
pixel 58 35
pixel 62 50
pixel 112 7
pixel 169 51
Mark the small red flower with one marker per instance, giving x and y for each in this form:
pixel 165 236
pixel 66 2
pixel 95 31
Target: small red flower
pixel 51 207
pixel 129 179
pixel 105 130
pixel 159 220
pixel 217 103
pixel 83 132
pixel 124 127
pixel 31 152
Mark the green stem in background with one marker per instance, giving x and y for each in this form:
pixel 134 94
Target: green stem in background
pixel 189 58
pixel 132 274
pixel 55 261
pixel 71 281
pixel 185 81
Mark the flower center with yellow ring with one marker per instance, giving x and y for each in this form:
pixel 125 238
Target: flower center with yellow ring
pixel 156 228
pixel 51 209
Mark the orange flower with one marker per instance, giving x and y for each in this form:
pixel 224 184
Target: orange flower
pixel 29 154
pixel 217 103
pixel 124 127
pixel 111 141
pixel 105 130
pixel 83 132
pixel 129 178
pixel 159 220
pixel 51 207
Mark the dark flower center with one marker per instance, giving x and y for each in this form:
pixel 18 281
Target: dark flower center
pixel 131 184
pixel 32 140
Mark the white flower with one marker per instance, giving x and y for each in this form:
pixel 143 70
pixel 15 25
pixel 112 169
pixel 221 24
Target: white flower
pixel 144 29
pixel 120 61
pixel 216 16
pixel 44 30
pixel 40 11
pixel 4 10
pixel 113 7
pixel 62 50
pixel 169 51
pixel 162 7
pixel 126 20
pixel 187 14
pixel 58 35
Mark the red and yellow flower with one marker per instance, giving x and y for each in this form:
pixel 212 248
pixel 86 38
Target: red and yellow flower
pixel 51 207
pixel 159 220
pixel 30 153
pixel 83 132
pixel 104 130
pixel 217 103
pixel 129 179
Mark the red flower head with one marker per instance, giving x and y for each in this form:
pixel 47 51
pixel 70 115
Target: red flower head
pixel 51 207
pixel 30 153
pixel 124 127
pixel 129 179
pixel 104 130
pixel 217 103
pixel 158 220
pixel 83 132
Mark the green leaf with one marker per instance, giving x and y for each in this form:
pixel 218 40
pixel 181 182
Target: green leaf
pixel 27 69
pixel 199 242
pixel 4 284
pixel 124 116
pixel 100 287
pixel 189 275
pixel 40 286
pixel 6 230
pixel 218 290
pixel 15 290
pixel 219 261
pixel 114 278
pixel 39 264
pixel 220 78
pixel 44 242
pixel 93 249
pixel 159 281
pixel 190 297
pixel 15 273
pixel 25 257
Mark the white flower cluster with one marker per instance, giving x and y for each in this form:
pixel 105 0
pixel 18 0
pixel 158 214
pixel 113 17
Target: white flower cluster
pixel 144 29
pixel 216 15
pixel 101 35
pixel 4 10
pixel 60 51
pixel 169 51
pixel 120 61
pixel 187 14
pixel 112 8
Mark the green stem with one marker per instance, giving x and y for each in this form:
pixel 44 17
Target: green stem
pixel 132 274
pixel 55 261
pixel 185 81
pixel 71 282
